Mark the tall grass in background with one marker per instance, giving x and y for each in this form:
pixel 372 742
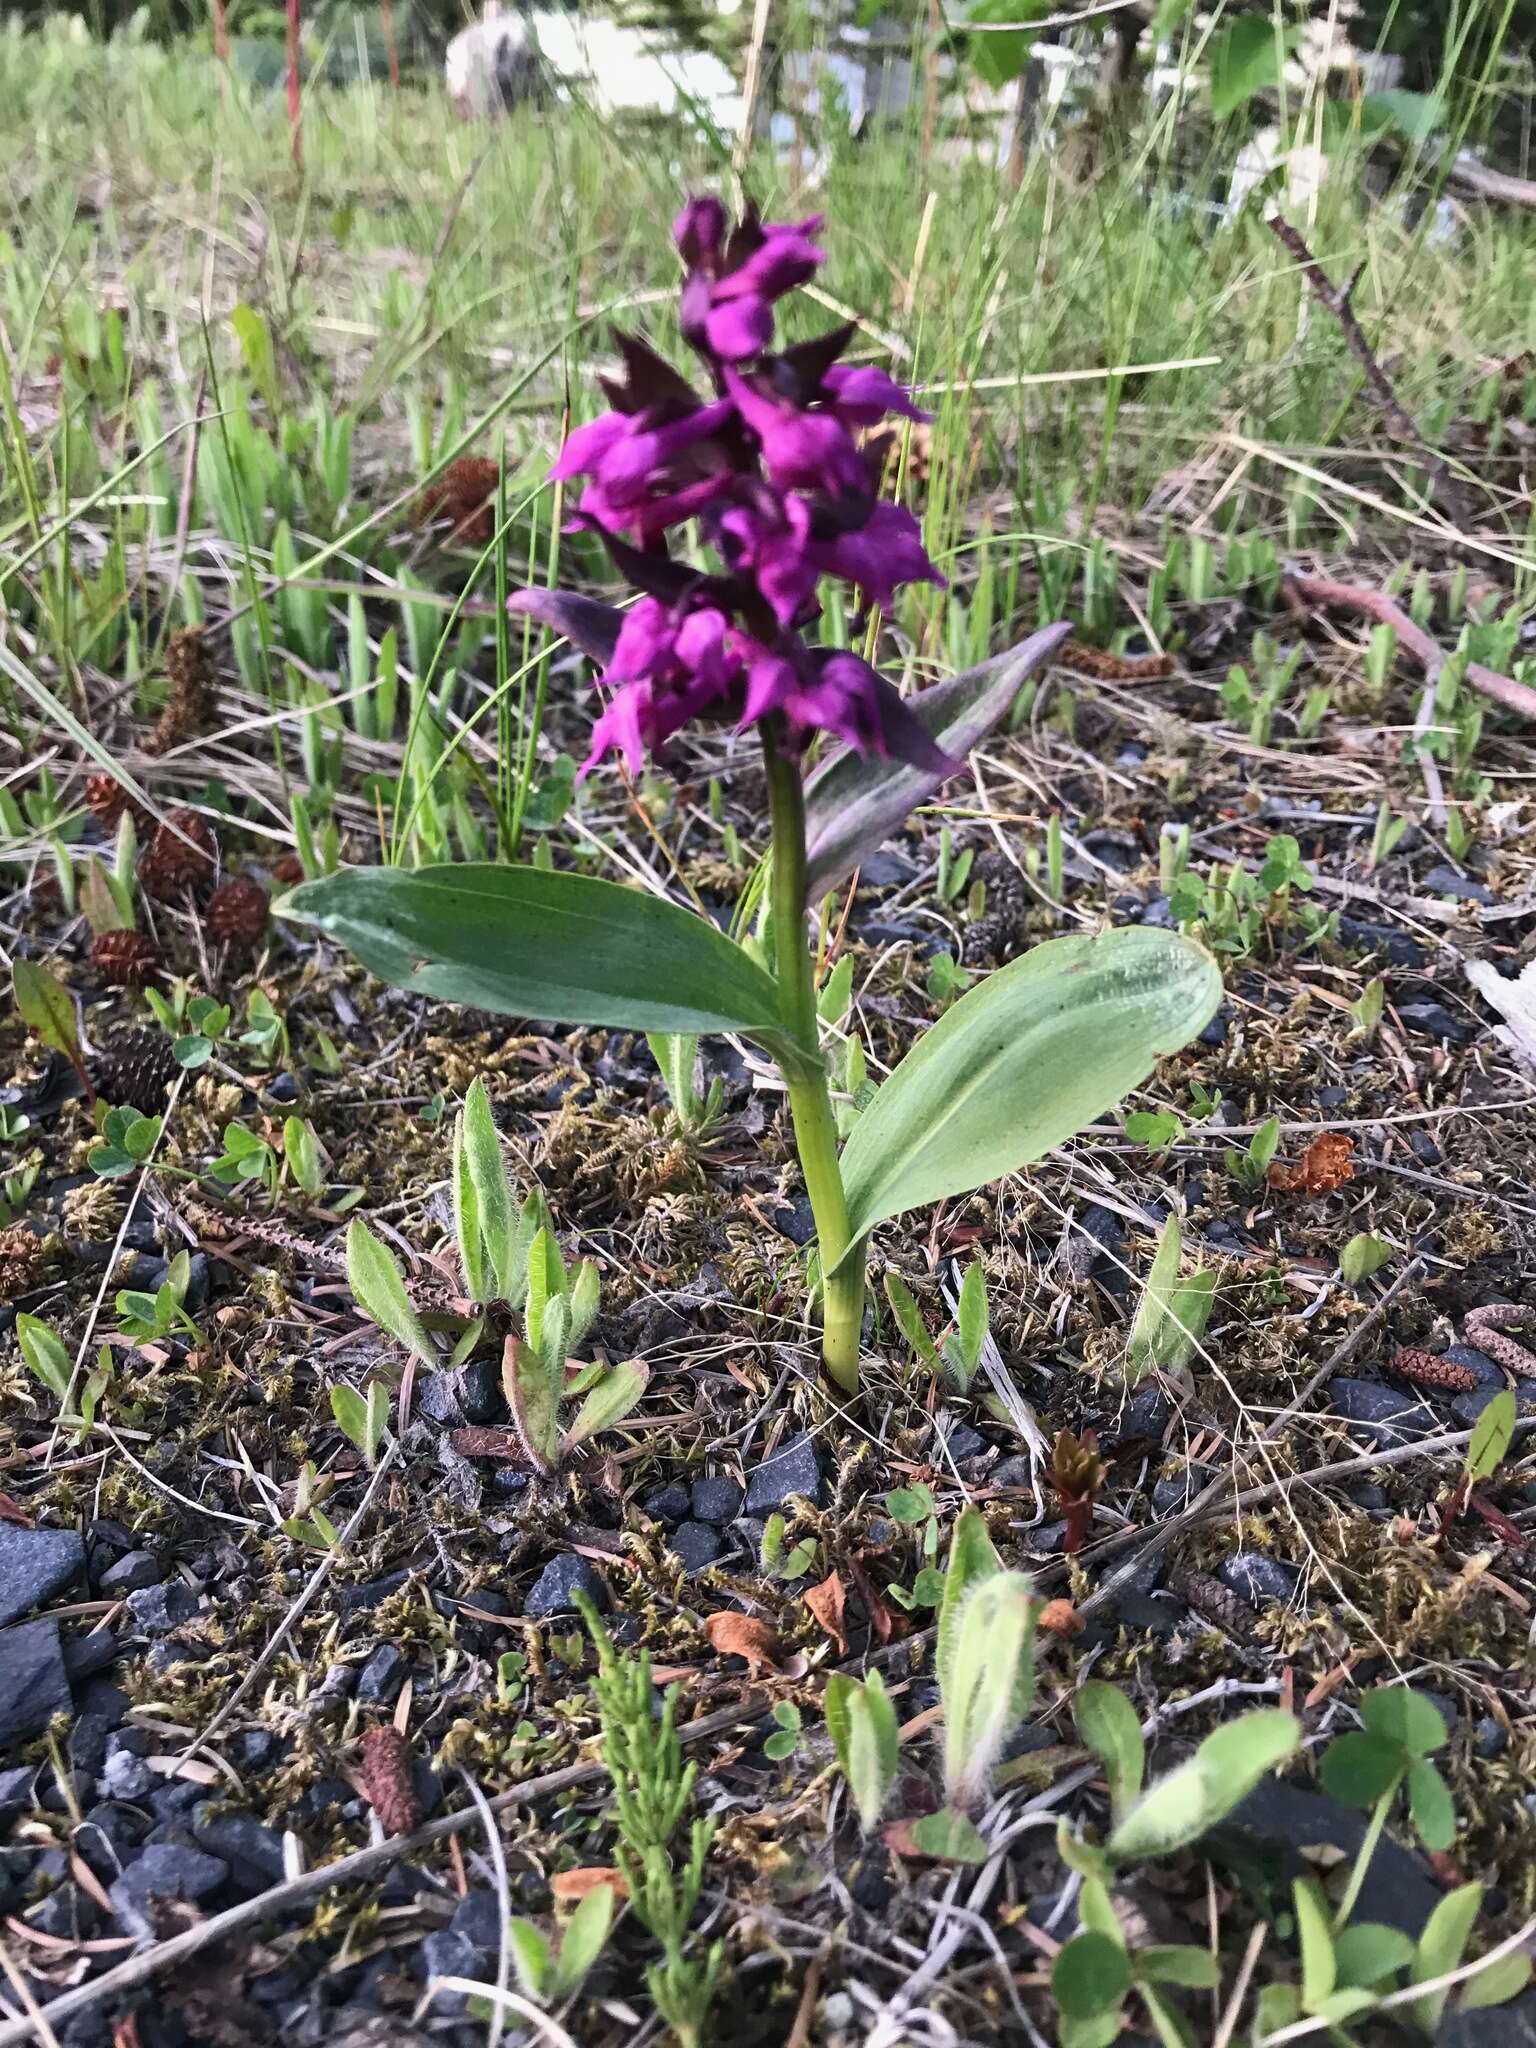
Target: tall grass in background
pixel 424 288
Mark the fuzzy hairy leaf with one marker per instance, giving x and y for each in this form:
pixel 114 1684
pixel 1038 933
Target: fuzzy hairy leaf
pixel 378 1287
pixel 495 1217
pixel 533 1394
pixel 909 1318
pixel 1091 1974
pixel 949 1836
pixel 582 1942
pixel 1441 1948
pixel 46 1007
pixel 44 1353
pixel 615 1394
pixel 1002 1077
pixel 989 1683
pixel 1179 1808
pixel 1172 1314
pixel 862 1724
pixel 533 942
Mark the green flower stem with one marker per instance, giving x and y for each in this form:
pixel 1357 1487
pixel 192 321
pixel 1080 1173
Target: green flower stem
pixel 1366 1851
pixel 806 1077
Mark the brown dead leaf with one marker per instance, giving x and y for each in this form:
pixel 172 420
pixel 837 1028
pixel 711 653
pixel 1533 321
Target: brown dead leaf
pixel 570 1887
pixel 826 1603
pixel 743 1635
pixel 881 1619
pixel 897 1836
pixel 1326 1165
pixel 1061 1618
pixel 12 1511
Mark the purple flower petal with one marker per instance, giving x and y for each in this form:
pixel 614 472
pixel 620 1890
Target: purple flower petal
pixel 801 450
pixel 739 328
pixel 587 446
pixel 591 626
pixel 863 394
pixel 698 232
pixel 787 257
pixel 879 556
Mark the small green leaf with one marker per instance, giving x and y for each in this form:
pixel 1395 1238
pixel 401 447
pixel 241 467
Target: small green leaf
pixel 987 1682
pixel 582 1942
pixel 1358 1768
pixel 862 1723
pixel 44 1353
pixel 485 1170
pixel 1194 1968
pixel 1492 1435
pixel 1157 1129
pixel 1363 1256
pixel 1107 1723
pixel 1501 1981
pixel 378 1287
pixel 46 1008
pixel 972 1319
pixel 910 1504
pixel 1246 57
pixel 1091 1974
pixel 949 1836
pixel 1440 1950
pixel 1397 1714
pixel 1367 1952
pixel 909 1318
pixel 1429 1803
pixel 533 1392
pixel 531 1958
pixel 615 1394
pixel 1314 1925
pixel 302 1152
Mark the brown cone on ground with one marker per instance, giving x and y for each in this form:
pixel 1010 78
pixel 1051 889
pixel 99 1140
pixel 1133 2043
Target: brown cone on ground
pixel 237 914
pixel 124 959
pixel 108 800
pixel 21 1260
pixel 388 1775
pixel 465 493
pixel 135 1070
pixel 190 698
pixel 182 854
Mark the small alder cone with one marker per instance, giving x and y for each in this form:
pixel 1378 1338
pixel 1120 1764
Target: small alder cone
pixel 465 493
pixel 181 855
pixel 1426 1370
pixel 21 1260
pixel 237 914
pixel 108 800
pixel 124 959
pixel 135 1070
pixel 189 702
pixel 387 1780
pixel 289 871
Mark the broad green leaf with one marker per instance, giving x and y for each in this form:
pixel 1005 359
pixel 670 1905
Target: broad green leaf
pixel 533 1394
pixel 1107 1723
pixel 1002 1077
pixel 1414 114
pixel 1501 1981
pixel 989 1681
pixel 1440 1950
pixel 1091 1974
pixel 609 1401
pixel 1397 1714
pixel 379 1291
pixel 546 1283
pixel 586 1292
pixel 1246 57
pixel 1179 1808
pixel 495 1207
pixel 46 1007
pixel 473 1264
pixel 1366 1952
pixel 1179 1963
pixel 1429 1803
pixel 972 1319
pixel 351 1414
pixel 999 56
pixel 302 1153
pixel 1358 1768
pixel 45 1355
pixel 1172 1314
pixel 1314 1925
pixel 532 943
pixel 950 1836
pixel 857 801
pixel 582 1942
pixel 1492 1435
pixel 1095 1907
pixel 1346 2005
pixel 255 340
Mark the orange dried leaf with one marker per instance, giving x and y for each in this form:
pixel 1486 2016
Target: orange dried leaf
pixel 570 1887
pixel 743 1635
pixel 1326 1165
pixel 826 1602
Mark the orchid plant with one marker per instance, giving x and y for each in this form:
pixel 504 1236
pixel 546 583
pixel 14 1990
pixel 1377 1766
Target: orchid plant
pixel 777 467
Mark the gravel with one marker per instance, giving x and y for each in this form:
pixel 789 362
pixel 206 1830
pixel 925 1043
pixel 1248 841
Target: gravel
pixel 34 1565
pixel 794 1468
pixel 554 1591
pixel 34 1685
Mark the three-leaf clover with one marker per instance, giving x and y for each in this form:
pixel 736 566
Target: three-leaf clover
pixel 1368 1765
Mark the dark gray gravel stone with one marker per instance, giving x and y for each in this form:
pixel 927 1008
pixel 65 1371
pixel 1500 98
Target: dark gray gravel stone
pixel 16 1788
pixel 34 1565
pixel 1179 1488
pixel 159 1609
pixel 1489 1372
pixel 477 1920
pixel 669 1503
pixel 1260 1579
pixel 130 1574
pixel 697 1544
pixel 964 1443
pixel 1434 1020
pixel 1497 2026
pixel 446 1954
pixel 85 1655
pixel 164 1871
pixel 480 1394
pixel 716 1500
pixel 437 1398
pixel 1143 1419
pixel 1382 1415
pixel 1397 947
pixel 1468 1407
pixel 126 1777
pixel 253 1851
pixel 554 1590
pixel 382 1676
pixel 795 1468
pixel 1287 1820
pixel 34 1685
pixel 1448 881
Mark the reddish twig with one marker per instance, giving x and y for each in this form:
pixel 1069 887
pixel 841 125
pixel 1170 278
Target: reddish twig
pixel 1375 604
pixel 1337 301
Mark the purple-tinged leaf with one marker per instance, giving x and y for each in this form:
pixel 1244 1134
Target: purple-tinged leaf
pixel 591 626
pixel 856 801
